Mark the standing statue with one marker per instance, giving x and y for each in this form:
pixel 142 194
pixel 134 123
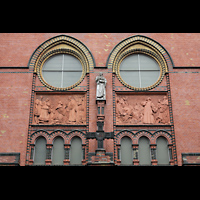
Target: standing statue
pixel 101 87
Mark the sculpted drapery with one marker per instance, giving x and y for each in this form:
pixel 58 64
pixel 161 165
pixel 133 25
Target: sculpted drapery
pixel 101 87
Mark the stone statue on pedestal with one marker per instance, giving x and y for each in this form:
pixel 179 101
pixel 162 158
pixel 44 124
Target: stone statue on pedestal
pixel 101 87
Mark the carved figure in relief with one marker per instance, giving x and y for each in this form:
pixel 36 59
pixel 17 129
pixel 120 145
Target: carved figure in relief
pixel 44 114
pixel 37 110
pixel 81 118
pixel 149 108
pixel 122 109
pixel 59 113
pixel 138 113
pixel 101 87
pixel 42 110
pixel 72 106
pixel 142 112
pixel 68 110
pixel 163 113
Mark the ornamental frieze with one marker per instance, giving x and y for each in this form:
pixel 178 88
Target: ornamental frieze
pixel 60 109
pixel 142 109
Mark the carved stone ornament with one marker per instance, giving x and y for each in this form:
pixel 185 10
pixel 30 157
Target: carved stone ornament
pixel 101 87
pixel 142 109
pixel 60 109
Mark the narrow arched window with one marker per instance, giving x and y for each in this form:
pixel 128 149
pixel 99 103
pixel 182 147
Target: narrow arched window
pixel 76 151
pixel 40 151
pixel 144 151
pixel 126 151
pixel 58 151
pixel 162 151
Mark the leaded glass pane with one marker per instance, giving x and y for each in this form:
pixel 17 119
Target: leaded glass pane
pixel 76 151
pixel 144 151
pixel 139 70
pixel 62 70
pixel 162 151
pixel 126 151
pixel 40 151
pixel 58 151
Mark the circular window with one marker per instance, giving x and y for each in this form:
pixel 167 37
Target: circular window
pixel 62 70
pixel 139 70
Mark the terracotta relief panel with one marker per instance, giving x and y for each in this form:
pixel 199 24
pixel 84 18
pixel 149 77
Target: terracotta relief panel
pixel 142 109
pixel 60 109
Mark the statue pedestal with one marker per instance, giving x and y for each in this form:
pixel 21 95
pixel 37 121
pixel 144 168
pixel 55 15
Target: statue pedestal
pixel 100 100
pixel 100 157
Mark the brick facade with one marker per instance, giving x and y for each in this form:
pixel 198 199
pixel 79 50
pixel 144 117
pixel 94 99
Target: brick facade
pixel 20 87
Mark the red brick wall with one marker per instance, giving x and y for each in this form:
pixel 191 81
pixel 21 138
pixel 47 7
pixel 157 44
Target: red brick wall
pixel 15 85
pixel 15 96
pixel 185 87
pixel 16 48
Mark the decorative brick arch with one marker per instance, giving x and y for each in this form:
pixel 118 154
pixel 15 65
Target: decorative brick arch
pixel 162 133
pixel 139 39
pixel 59 133
pixel 61 44
pixel 144 133
pixel 78 133
pixel 124 133
pixel 37 134
pixel 71 42
pixel 139 44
